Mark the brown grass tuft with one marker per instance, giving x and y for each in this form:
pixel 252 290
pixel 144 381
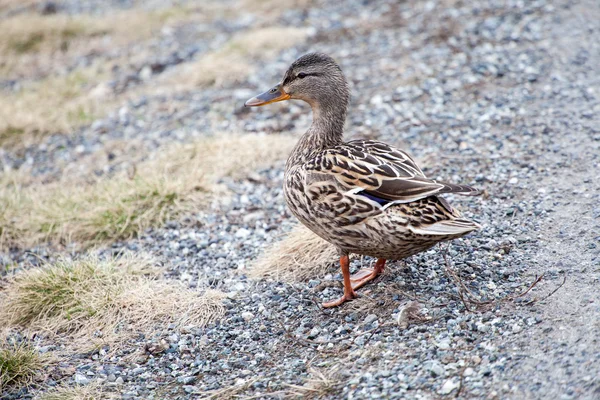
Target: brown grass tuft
pixel 228 392
pixel 178 181
pixel 57 103
pixel 321 383
pixel 91 391
pixel 300 255
pixel 272 9
pixel 31 42
pixel 102 301
pixel 19 363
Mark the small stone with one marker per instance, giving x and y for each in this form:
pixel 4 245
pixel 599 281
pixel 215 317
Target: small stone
pixel 190 389
pixel 253 217
pixel 314 332
pixel 120 381
pixel 242 233
pixel 45 349
pixel 111 378
pixel 247 315
pixel 186 380
pixel 449 386
pixel 516 328
pixel 468 371
pixel 146 73
pixel 48 8
pixel 370 318
pixel 513 180
pixel 436 369
pixel 99 126
pixel 81 379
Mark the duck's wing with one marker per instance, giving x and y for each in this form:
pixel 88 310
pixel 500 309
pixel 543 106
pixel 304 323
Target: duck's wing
pixel 379 170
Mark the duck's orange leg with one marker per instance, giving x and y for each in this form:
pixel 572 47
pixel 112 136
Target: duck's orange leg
pixel 367 274
pixel 349 293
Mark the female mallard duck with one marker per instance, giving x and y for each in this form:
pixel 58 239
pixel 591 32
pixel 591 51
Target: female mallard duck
pixel 363 196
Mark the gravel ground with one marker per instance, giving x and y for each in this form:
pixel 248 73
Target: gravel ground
pixel 502 95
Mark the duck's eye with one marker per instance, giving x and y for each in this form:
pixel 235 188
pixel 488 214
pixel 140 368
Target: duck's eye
pixel 301 75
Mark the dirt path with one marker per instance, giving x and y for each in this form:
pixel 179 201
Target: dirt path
pixel 562 353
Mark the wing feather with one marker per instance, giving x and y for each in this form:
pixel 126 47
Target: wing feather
pixel 380 170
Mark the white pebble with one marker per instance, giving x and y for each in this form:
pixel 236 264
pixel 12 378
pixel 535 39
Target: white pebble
pixel 247 315
pixel 449 386
pixel 242 233
pixel 81 379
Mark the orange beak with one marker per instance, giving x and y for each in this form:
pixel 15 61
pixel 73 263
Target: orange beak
pixel 272 95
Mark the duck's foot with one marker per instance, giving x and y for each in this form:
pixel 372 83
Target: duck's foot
pixel 349 293
pixel 345 297
pixel 367 274
pixel 355 281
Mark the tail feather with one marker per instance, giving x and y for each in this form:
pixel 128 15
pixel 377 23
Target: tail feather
pixel 455 227
pixel 464 190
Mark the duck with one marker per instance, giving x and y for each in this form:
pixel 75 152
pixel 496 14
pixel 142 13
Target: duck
pixel 365 197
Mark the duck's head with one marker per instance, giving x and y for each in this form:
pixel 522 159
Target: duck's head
pixel 315 78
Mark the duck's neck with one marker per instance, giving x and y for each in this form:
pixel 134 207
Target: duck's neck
pixel 326 130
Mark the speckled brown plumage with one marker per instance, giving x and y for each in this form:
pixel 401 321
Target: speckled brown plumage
pixel 363 196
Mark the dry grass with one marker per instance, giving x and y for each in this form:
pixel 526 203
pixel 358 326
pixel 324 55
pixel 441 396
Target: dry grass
pixel 234 61
pixel 9 4
pixel 32 43
pixel 320 384
pixel 178 181
pixel 51 105
pixel 93 302
pixel 19 363
pixel 36 48
pixel 297 257
pixel 272 9
pixel 88 392
pixel 228 392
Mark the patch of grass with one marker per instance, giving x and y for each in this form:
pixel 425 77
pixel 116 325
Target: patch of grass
pixel 35 50
pixel 299 256
pixel 236 60
pixel 53 104
pixel 8 4
pixel 180 180
pixel 27 44
pixel 98 301
pixel 19 363
pixel 11 134
pixel 32 32
pixel 272 9
pixel 88 392
pixel 321 383
pixel 228 392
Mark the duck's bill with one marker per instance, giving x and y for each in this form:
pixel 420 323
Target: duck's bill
pixel 270 96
